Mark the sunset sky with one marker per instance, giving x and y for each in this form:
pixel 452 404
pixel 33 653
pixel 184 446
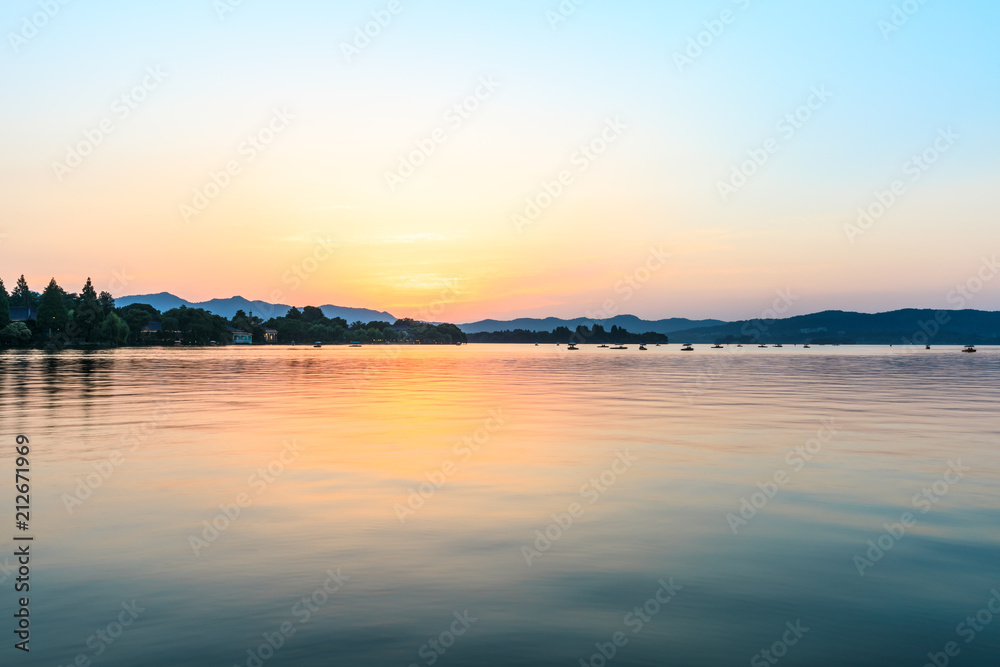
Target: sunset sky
pixel 311 128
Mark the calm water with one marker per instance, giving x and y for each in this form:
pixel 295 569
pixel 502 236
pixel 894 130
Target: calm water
pixel 341 557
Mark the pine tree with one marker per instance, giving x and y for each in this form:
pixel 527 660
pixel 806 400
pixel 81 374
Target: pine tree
pixel 107 302
pixel 22 295
pixel 52 313
pixel 89 314
pixel 4 306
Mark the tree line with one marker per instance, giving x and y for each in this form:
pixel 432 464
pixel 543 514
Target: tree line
pixel 89 319
pixel 61 317
pixel 582 335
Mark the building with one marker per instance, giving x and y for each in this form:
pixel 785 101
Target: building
pixel 22 313
pixel 240 337
pixel 270 335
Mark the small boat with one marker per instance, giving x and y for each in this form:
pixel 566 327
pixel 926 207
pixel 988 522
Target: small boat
pixel 687 348
pixel 177 343
pixel 602 346
pixel 572 347
pixel 779 345
pixel 353 344
pixel 928 347
pixel 458 344
pixel 212 343
pixel 740 345
pixel 619 347
pixel 969 348
pixel 317 344
pixel 806 346
pixel 716 347
pixel 762 345
pixel 657 345
pixel 536 344
pixel 642 347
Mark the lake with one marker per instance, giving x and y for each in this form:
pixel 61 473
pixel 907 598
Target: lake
pixel 499 505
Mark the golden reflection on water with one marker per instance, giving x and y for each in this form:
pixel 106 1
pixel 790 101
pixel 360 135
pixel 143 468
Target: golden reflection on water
pixel 423 471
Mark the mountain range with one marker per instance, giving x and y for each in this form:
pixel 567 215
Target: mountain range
pixel 897 327
pixel 629 322
pixel 909 325
pixel 227 307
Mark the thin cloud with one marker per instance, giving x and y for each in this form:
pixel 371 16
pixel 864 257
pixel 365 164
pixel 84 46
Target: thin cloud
pixel 408 238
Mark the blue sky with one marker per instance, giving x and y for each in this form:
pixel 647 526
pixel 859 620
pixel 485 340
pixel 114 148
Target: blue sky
pixel 891 94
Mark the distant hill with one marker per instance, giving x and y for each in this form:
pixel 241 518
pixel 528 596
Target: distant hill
pixel 952 327
pixel 629 322
pixel 228 307
pixel 917 326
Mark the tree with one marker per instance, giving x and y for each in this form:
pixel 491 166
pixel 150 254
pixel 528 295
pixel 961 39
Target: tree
pixel 320 332
pixel 313 314
pixel 290 329
pixel 15 333
pixel 21 295
pixel 107 302
pixel 137 316
pixel 293 314
pixel 196 325
pixel 52 314
pixel 71 299
pixel 455 334
pixel 89 314
pixel 114 330
pixel 241 321
pixel 4 306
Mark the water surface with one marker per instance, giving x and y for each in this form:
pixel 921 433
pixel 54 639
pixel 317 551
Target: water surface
pixel 388 492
